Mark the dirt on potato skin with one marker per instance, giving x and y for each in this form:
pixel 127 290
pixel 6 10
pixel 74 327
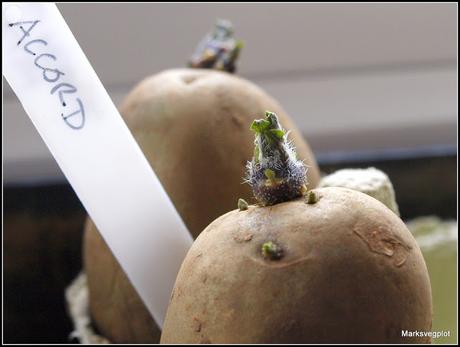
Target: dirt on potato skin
pixel 193 127
pixel 341 278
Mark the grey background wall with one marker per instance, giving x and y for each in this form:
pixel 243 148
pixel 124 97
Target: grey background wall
pixel 353 76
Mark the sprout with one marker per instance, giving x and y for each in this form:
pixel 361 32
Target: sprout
pixel 272 251
pixel 242 205
pixel 312 197
pixel 218 50
pixel 274 173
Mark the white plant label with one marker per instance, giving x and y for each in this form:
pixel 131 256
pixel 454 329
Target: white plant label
pixel 82 128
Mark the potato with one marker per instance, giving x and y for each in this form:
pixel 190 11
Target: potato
pixel 342 270
pixel 335 266
pixel 192 125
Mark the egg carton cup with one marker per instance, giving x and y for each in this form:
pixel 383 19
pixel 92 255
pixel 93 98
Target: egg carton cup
pixel 370 181
pixel 77 298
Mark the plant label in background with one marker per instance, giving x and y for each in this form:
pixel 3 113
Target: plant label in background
pixel 83 130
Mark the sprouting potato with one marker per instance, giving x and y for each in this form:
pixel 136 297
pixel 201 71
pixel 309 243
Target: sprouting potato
pixel 325 265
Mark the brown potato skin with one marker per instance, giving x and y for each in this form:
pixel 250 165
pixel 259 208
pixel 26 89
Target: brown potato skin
pixel 351 273
pixel 193 127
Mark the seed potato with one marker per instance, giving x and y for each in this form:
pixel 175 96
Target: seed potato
pixel 334 267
